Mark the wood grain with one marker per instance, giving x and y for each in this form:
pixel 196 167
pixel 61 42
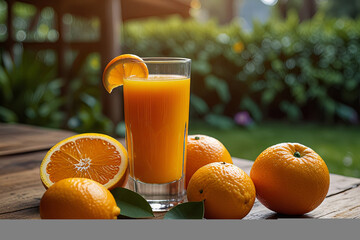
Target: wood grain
pixel 21 162
pixel 21 187
pixel 27 213
pixel 16 138
pixel 20 190
pixel 344 205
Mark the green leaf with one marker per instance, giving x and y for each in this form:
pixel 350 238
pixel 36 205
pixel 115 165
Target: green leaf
pixel 131 204
pixel 198 104
pixel 292 110
pixel 6 115
pixel 345 112
pixel 248 104
pixel 220 121
pixel 220 86
pixel 268 96
pixel 7 61
pixel 188 210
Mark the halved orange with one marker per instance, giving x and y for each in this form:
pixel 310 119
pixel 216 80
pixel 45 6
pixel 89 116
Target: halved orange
pixel 121 67
pixel 90 155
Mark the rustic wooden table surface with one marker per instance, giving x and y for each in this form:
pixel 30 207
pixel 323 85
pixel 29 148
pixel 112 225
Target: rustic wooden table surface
pixel 23 147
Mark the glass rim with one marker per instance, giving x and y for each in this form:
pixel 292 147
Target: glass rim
pixel 165 60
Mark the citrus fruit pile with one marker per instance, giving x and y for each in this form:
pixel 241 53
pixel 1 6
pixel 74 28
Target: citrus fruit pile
pixel 288 178
pixel 202 150
pixel 227 191
pixel 78 172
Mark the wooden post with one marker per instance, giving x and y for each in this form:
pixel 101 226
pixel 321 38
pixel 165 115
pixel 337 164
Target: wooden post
pixel 230 12
pixel 60 50
pixel 307 10
pixel 10 39
pixel 110 47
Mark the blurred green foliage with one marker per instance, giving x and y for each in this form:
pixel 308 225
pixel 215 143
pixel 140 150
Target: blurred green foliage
pixel 29 91
pixel 343 8
pixel 83 100
pixel 280 70
pixel 289 70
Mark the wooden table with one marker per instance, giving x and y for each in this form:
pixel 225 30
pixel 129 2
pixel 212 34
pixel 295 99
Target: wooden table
pixel 22 149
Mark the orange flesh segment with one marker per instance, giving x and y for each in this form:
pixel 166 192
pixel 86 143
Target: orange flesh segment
pixel 121 67
pixel 86 158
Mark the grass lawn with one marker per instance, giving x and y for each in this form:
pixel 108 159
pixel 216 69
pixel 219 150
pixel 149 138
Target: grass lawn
pixel 339 146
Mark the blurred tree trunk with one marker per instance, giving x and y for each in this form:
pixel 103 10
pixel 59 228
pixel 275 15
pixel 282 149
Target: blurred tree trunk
pixel 283 7
pixel 229 10
pixel 306 8
pixel 224 11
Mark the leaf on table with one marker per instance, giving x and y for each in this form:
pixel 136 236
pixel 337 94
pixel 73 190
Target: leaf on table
pixel 131 204
pixel 188 210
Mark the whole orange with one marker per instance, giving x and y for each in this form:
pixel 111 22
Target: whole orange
pixel 227 191
pixel 202 150
pixel 78 198
pixel 290 178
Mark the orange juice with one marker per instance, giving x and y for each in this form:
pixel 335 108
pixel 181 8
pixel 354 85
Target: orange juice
pixel 156 117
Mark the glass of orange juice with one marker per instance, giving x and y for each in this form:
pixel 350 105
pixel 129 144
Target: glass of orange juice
pixel 156 119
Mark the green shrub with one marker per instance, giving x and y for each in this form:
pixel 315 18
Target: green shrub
pixel 282 69
pixel 83 101
pixel 29 91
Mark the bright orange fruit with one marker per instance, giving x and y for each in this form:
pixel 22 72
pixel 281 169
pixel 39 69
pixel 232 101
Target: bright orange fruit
pixel 227 190
pixel 78 198
pixel 121 67
pixel 290 178
pixel 90 155
pixel 202 150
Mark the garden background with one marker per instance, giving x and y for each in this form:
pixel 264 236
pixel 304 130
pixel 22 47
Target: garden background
pixel 293 76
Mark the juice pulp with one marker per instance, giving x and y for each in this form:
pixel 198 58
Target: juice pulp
pixel 156 118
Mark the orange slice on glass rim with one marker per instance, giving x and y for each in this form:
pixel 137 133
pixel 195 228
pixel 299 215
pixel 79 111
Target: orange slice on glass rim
pixel 90 155
pixel 121 67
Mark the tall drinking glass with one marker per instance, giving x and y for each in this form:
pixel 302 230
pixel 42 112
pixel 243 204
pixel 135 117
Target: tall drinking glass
pixel 156 118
